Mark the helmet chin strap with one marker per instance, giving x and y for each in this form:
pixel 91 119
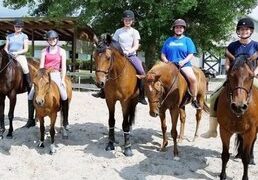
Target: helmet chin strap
pixel 244 37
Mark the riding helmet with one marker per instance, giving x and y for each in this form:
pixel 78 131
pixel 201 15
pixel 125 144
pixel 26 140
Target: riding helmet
pixel 51 34
pixel 18 22
pixel 179 22
pixel 128 14
pixel 245 22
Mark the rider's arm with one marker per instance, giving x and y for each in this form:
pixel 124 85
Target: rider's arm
pixel 42 59
pixel 63 71
pixel 188 58
pixel 25 48
pixel 163 58
pixel 6 45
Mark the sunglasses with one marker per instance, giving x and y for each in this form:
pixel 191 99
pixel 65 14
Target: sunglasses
pixel 51 39
pixel 18 26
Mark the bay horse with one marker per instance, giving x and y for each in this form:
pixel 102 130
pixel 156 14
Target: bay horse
pixel 47 102
pixel 118 77
pixel 237 112
pixel 11 84
pixel 166 88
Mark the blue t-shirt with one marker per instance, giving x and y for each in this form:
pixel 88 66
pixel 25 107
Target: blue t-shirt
pixel 176 49
pixel 236 48
pixel 16 42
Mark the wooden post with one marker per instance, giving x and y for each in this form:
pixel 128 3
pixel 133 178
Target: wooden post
pixel 32 44
pixel 74 49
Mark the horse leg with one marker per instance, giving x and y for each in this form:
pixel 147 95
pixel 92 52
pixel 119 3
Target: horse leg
pixel 126 128
pixel 239 144
pixel 198 117
pixel 248 140
pixel 12 98
pixel 2 125
pixel 174 118
pixel 42 132
pixel 252 153
pixel 225 138
pixel 182 125
pixel 52 132
pixel 162 116
pixel 111 122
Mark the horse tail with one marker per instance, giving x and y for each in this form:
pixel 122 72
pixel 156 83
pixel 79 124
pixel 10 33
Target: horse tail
pixel 132 108
pixel 206 107
pixel 238 145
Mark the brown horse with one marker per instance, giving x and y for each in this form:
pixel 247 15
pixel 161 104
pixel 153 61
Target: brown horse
pixel 47 102
pixel 11 84
pixel 118 77
pixel 237 112
pixel 166 88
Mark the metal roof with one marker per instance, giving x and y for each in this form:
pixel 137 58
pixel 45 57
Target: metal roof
pixel 36 27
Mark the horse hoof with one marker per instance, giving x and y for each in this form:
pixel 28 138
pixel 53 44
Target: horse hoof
pixel 9 136
pixel 128 152
pixel 52 149
pixel 29 124
pixel 41 145
pixel 252 162
pixel 64 132
pixel 110 146
pixel 176 158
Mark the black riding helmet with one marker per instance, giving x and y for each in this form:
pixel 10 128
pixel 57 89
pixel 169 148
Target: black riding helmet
pixel 245 22
pixel 128 14
pixel 51 34
pixel 18 22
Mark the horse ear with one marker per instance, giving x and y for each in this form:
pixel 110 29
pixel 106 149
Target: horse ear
pixel 108 39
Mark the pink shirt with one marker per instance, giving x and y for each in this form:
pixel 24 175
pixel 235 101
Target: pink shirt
pixel 53 60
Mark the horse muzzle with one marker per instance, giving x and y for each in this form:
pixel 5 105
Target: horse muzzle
pixel 100 84
pixel 40 101
pixel 238 108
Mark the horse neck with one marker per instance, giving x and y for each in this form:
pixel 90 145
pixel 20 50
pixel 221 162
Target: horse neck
pixel 118 63
pixel 169 75
pixel 5 59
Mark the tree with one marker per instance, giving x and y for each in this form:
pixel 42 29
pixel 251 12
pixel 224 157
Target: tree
pixel 208 21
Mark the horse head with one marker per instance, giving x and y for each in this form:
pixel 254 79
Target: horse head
pixel 103 57
pixel 42 85
pixel 154 92
pixel 240 82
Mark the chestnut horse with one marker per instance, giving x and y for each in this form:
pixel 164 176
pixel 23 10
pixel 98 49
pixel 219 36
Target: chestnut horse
pixel 166 88
pixel 11 84
pixel 47 102
pixel 118 77
pixel 237 112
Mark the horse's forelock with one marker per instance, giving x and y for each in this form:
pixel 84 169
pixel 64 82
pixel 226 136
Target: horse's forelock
pixel 239 61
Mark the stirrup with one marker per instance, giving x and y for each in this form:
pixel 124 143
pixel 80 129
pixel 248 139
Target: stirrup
pixel 195 104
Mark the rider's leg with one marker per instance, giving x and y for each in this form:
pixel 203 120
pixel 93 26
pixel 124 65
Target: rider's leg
pixel 56 77
pixel 27 80
pixel 137 63
pixel 193 84
pixel 24 64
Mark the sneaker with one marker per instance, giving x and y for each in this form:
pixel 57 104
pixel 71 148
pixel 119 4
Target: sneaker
pixel 142 101
pixel 195 104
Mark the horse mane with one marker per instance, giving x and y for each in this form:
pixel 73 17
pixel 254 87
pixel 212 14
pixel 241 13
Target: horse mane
pixel 240 61
pixel 2 46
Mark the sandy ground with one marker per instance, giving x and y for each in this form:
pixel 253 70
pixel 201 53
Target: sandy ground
pixel 82 156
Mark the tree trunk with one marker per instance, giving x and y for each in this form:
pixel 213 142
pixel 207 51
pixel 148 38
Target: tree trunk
pixel 150 55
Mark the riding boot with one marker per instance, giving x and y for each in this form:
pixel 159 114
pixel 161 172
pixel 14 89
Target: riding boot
pixel 100 94
pixel 31 121
pixel 65 109
pixel 141 98
pixel 27 82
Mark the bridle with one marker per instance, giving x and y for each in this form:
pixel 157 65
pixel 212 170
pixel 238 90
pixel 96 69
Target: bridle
pixel 111 64
pixel 9 62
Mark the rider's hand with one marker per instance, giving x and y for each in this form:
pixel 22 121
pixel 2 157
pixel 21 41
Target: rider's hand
pixel 181 63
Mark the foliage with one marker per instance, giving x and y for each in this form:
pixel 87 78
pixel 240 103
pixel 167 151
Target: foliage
pixel 208 21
